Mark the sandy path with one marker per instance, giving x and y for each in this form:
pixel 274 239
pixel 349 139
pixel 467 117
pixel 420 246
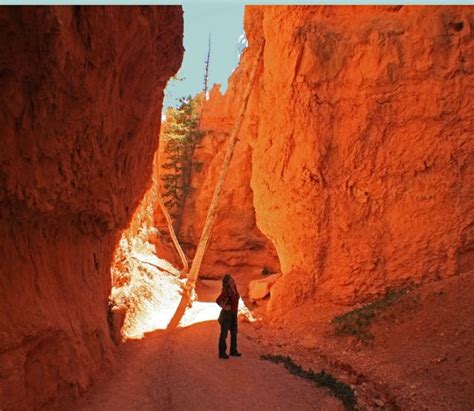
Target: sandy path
pixel 179 370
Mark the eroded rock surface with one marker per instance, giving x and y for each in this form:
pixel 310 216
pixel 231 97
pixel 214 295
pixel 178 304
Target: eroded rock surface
pixel 361 132
pixel 237 245
pixel 80 103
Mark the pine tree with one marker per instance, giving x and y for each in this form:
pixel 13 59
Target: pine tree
pixel 180 137
pixel 206 68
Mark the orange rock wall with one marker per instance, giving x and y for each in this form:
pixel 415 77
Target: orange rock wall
pixel 361 132
pixel 237 246
pixel 80 104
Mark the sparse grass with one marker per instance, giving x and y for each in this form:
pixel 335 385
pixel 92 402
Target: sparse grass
pixel 339 389
pixel 357 322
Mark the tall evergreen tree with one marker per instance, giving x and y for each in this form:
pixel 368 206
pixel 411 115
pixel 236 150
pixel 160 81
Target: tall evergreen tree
pixel 180 137
pixel 206 68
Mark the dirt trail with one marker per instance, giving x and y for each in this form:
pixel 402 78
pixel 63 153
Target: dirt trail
pixel 179 370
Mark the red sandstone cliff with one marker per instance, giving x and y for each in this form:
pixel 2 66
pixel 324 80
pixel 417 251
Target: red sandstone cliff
pixel 361 131
pixel 81 96
pixel 237 245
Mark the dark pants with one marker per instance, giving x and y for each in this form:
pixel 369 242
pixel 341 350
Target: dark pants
pixel 228 321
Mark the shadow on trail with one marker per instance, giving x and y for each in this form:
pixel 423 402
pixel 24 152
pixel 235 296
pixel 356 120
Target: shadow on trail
pixel 178 369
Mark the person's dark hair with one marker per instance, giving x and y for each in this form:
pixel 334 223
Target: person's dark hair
pixel 225 280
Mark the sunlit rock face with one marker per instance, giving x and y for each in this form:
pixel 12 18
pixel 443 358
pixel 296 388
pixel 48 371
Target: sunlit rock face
pixel 361 132
pixel 80 101
pixel 237 246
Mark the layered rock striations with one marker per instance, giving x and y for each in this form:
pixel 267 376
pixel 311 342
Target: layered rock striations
pixel 81 96
pixel 361 131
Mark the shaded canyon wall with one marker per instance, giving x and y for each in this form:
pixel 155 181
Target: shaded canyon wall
pixel 81 96
pixel 361 131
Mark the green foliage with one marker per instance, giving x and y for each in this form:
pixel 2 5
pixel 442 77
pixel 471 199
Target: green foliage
pixel 357 322
pixel 180 138
pixel 266 271
pixel 339 389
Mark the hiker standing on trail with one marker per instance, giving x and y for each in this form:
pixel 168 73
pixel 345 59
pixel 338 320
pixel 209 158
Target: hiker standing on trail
pixel 228 300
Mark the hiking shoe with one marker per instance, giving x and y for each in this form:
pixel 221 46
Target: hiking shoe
pixel 223 357
pixel 236 354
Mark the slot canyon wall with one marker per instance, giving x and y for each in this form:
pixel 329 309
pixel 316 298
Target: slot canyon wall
pixel 81 97
pixel 237 246
pixel 360 125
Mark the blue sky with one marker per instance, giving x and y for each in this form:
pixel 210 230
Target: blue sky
pixel 224 22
